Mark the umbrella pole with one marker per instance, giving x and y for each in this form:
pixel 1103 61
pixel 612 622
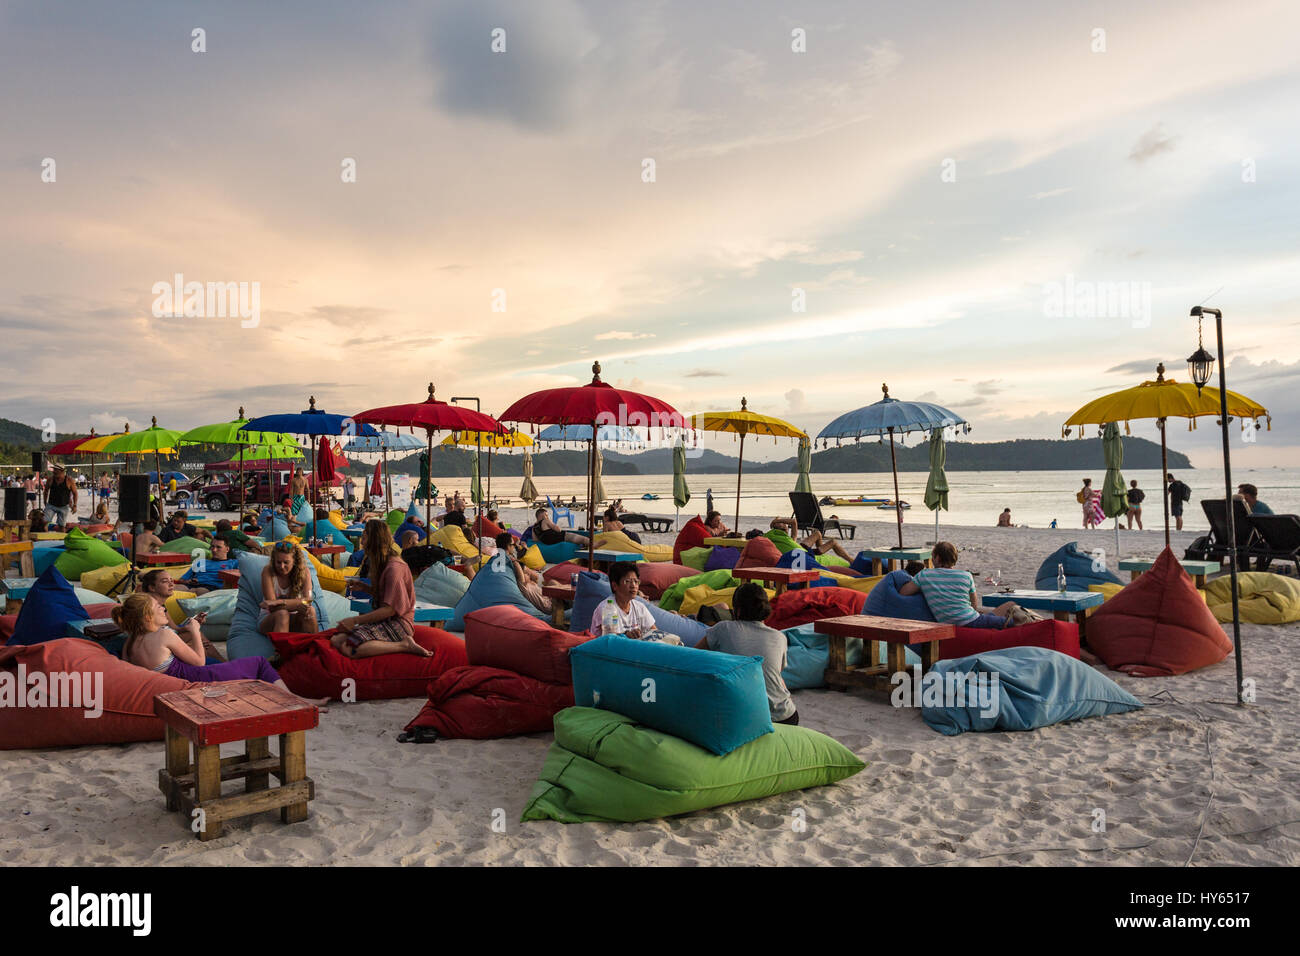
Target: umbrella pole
pixel 428 491
pixel 1164 471
pixel 936 525
pixel 243 495
pixel 740 467
pixel 591 499
pixel 388 482
pixel 898 504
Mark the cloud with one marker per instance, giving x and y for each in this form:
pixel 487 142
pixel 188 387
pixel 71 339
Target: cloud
pixel 992 386
pixel 1136 367
pixel 622 336
pixel 795 400
pixel 705 373
pixel 1049 193
pixel 1151 143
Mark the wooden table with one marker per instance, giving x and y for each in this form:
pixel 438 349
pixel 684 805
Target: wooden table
pixel 162 558
pixel 779 578
pixel 252 712
pixel 425 613
pixel 14 530
pixel 872 630
pixel 332 551
pixel 1197 569
pixel 725 542
pixel 15 592
pixel 20 552
pixel 1062 604
pixel 229 578
pixel 561 596
pixel 889 556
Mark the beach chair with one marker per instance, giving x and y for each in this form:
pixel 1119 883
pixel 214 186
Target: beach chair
pixel 808 514
pixel 1278 539
pixel 656 525
pixel 1217 546
pixel 558 512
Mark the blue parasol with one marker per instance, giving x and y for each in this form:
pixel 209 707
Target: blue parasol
pixel 381 444
pixel 312 422
pixel 621 434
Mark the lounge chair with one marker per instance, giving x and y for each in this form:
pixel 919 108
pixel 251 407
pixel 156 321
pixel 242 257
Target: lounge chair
pixel 656 525
pixel 558 512
pixel 1216 545
pixel 1278 539
pixel 808 514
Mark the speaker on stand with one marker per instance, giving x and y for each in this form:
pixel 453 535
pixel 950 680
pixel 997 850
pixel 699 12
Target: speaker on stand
pixel 132 506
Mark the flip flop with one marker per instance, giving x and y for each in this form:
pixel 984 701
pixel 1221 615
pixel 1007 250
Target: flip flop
pixel 420 735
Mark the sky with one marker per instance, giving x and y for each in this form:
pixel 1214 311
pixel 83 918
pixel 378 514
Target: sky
pixel 945 197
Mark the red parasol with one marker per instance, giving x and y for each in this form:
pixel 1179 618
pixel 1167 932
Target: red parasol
pixel 376 489
pixel 328 462
pixel 595 404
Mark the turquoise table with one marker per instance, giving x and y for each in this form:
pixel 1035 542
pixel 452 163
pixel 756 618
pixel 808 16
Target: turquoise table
pixel 15 589
pixel 1062 604
pixel 888 557
pixel 1197 569
pixel 425 613
pixel 603 557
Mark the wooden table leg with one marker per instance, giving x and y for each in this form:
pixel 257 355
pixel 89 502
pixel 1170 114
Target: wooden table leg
pixel 897 657
pixel 876 568
pixel 837 658
pixel 557 614
pixel 929 655
pixel 778 586
pixel 207 786
pixel 1082 620
pixel 25 565
pixel 178 762
pixel 293 767
pixel 1199 579
pixel 257 748
pixel 891 566
pixel 1133 575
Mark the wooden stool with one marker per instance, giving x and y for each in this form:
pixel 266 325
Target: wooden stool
pixel 21 552
pixel 13 531
pixel 251 711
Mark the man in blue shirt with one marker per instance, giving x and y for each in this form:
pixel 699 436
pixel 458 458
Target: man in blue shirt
pixel 200 582
pixel 1250 495
pixel 412 523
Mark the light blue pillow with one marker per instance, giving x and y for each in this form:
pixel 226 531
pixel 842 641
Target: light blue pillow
pixel 439 584
pixel 245 640
pixel 558 553
pixel 1036 687
pixel 493 586
pixel 220 605
pixel 336 606
pixel 325 530
pixel 90 597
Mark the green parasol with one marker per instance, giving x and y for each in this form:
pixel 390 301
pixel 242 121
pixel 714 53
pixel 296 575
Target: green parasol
pixel 936 488
pixel 1114 495
pixel 681 494
pixel 475 485
pixel 804 482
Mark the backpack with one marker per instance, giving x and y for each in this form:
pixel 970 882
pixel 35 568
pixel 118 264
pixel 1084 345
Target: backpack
pixel 1184 492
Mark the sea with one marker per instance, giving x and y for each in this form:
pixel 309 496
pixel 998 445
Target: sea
pixel 975 498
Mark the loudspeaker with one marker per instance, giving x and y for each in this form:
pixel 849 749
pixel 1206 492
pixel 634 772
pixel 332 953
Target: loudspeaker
pixel 15 504
pixel 133 498
pixel 38 461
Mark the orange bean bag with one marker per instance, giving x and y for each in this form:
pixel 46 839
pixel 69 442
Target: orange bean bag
pixel 514 640
pixel 759 552
pixel 692 535
pixel 1158 625
pixel 312 668
pixel 484 527
pixel 658 576
pixel 123 691
pixel 793 608
pixel 480 703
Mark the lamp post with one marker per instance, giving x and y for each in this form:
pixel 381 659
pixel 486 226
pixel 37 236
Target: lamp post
pixel 1200 365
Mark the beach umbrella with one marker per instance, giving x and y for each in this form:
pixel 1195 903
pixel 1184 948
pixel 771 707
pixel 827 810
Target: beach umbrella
pixel 251 453
pixel 529 490
pixel 743 422
pixel 891 417
pixel 236 433
pixel 936 487
pixel 475 486
pixel 594 404
pixel 379 445
pixel 424 490
pixel 609 434
pixel 432 416
pixel 159 441
pixel 328 463
pixel 681 493
pixel 491 441
pixel 804 481
pixel 1114 499
pixel 1161 400
pixel 376 489
pixel 597 483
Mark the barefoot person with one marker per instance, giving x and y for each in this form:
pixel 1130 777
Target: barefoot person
pixel 815 543
pixel 153 644
pixel 390 627
pixel 950 593
pixel 1135 498
pixel 286 592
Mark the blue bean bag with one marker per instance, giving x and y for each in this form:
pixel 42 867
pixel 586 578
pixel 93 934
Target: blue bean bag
pixel 493 586
pixel 274 529
pixel 720 559
pixel 1037 687
pixel 438 584
pixel 45 558
pixel 594 588
pixel 305 514
pixel 244 639
pixel 558 553
pixel 885 601
pixel 326 531
pixel 717 701
pixel 862 564
pixel 47 609
pixel 1079 573
pixel 808 654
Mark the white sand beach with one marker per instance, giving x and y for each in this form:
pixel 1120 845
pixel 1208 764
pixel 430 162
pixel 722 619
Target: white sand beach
pixel 1191 777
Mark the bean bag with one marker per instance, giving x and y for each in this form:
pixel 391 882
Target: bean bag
pixel 218 605
pixel 759 552
pixel 722 559
pixel 395 517
pixel 618 541
pixel 481 703
pixel 122 691
pixel 330 578
pixel 103 580
pixel 704 596
pixel 1036 687
pixel 691 536
pixel 484 527
pixel 1158 625
pixel 808 655
pixel 47 609
pixel 509 639
pixel 658 576
pixel 1262 598
pixel 563 573
pixel 186 545
pixel 558 553
pixel 312 668
pixel 717 701
pixel 695 558
pixel 605 767
pixel 304 513
pixel 832 564
pixel 884 600
pixel 493 586
pixel 274 529
pixel 173 605
pixel 45 558
pixel 244 639
pixel 1060 636
pixel 1079 572
pixel 671 599
pixel 336 519
pixel 532 558
pixel 782 540
pixel 438 584
pixel 327 532
pixel 793 608
pixel 82 553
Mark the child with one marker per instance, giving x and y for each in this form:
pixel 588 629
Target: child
pixel 390 627
pixel 748 636
pixel 286 592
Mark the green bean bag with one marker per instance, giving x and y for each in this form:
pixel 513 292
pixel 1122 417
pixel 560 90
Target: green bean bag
pixel 604 767
pixel 395 519
pixel 1263 598
pixel 186 545
pixel 82 553
pixel 782 540
pixel 695 557
pixel 671 599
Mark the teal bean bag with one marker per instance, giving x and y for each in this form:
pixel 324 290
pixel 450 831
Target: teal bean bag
pixel 1080 572
pixel 808 655
pixel 493 586
pixel 82 553
pixel 671 598
pixel 326 531
pixel 219 606
pixel 245 640
pixel 439 584
pixel 605 767
pixel 559 552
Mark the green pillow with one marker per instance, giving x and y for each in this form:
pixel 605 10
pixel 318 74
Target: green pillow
pixel 185 545
pixel 82 553
pixel 220 605
pixel 829 560
pixel 671 599
pixel 782 540
pixel 605 767
pixel 695 557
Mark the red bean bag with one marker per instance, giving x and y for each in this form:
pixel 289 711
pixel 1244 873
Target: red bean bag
pixel 484 702
pixel 793 608
pixel 1158 625
pixel 562 573
pixel 312 668
pixel 692 535
pixel 125 695
pixel 1060 636
pixel 658 576
pixel 514 640
pixel 486 528
pixel 759 552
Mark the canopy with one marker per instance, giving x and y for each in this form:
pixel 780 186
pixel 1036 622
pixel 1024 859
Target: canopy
pixel 610 434
pixel 70 446
pixel 382 441
pixel 236 433
pixel 491 441
pixel 96 443
pixel 528 491
pixel 160 441
pixel 743 422
pixel 328 463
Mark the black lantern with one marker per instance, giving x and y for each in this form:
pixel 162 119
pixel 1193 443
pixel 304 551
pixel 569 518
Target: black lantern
pixel 1200 364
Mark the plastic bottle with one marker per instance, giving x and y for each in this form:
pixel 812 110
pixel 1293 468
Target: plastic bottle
pixel 1060 578
pixel 609 619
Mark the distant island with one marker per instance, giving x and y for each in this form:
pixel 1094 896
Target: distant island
pixel 18 441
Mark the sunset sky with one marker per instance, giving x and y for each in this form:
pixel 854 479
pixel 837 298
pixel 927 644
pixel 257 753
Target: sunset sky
pixel 923 173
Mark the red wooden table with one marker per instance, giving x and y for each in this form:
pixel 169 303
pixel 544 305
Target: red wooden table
pixel 561 596
pixel 162 558
pixel 332 551
pixel 873 631
pixel 250 711
pixel 229 578
pixel 779 578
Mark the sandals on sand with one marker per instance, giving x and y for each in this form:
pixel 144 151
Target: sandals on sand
pixel 420 735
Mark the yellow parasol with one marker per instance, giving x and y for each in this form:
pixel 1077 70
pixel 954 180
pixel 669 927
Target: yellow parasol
pixel 744 423
pixel 490 441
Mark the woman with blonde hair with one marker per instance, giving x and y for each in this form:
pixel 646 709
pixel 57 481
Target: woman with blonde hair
pixel 286 592
pixel 390 627
pixel 153 644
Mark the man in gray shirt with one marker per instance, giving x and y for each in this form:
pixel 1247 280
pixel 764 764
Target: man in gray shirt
pixel 748 636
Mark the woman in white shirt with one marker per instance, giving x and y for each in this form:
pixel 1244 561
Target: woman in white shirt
pixel 623 613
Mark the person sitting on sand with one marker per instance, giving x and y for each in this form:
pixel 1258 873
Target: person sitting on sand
pixel 151 643
pixel 748 636
pixel 713 521
pixel 390 627
pixel 234 538
pixel 815 543
pixel 158 584
pixel 286 592
pixel 1004 519
pixel 178 526
pixel 950 594
pixel 529 581
pixel 622 613
pixel 546 531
